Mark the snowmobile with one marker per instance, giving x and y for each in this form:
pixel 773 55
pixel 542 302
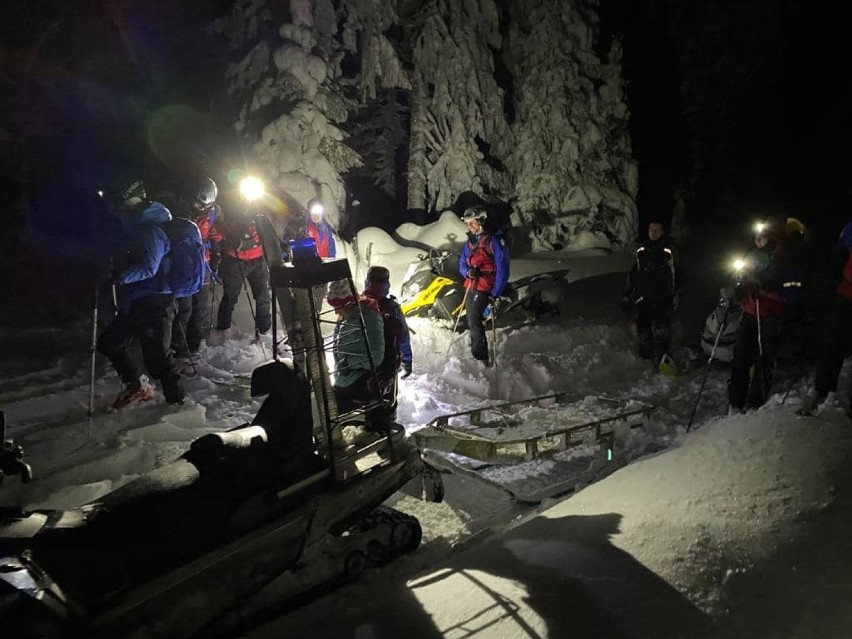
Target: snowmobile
pixel 433 287
pixel 242 520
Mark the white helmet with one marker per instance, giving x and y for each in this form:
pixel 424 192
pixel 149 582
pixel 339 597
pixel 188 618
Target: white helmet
pixel 475 213
pixel 206 194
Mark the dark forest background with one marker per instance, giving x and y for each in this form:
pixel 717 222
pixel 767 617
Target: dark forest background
pixel 741 107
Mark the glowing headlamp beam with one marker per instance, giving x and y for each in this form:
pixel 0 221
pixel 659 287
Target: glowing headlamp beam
pixel 317 209
pixel 738 264
pixel 759 227
pixel 251 188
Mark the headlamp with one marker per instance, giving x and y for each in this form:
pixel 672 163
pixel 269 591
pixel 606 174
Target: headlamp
pixel 251 188
pixel 759 227
pixel 738 264
pixel 317 209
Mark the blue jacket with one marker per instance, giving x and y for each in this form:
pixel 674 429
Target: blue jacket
pixel 139 269
pixel 323 236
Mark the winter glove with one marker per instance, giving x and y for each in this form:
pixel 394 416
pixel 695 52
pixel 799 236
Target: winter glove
pixel 215 262
pixel 406 368
pixel 745 289
pixel 499 303
pixel 473 273
pixel 246 244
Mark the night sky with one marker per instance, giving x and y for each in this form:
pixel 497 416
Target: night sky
pixel 742 104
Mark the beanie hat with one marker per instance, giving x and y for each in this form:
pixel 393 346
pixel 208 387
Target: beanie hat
pixel 377 283
pixel 132 194
pixel 340 294
pixel 378 274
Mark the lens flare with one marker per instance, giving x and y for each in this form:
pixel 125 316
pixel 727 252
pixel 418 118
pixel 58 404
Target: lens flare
pixel 252 188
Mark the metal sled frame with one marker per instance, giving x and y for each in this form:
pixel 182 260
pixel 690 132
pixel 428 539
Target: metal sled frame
pixel 471 441
pixel 292 287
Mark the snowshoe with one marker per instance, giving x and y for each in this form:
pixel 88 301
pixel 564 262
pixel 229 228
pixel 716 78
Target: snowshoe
pixel 134 393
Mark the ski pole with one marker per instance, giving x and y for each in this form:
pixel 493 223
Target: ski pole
pixel 709 362
pixel 186 346
pixel 94 351
pixel 251 309
pixel 494 348
pixel 456 325
pixel 758 369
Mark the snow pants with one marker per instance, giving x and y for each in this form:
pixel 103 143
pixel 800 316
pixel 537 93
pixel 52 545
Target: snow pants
pixel 743 386
pixel 653 327
pixel 233 272
pixel 474 306
pixel 150 320
pixel 835 347
pixel 192 323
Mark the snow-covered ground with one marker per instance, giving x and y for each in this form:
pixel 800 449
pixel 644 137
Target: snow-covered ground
pixel 739 526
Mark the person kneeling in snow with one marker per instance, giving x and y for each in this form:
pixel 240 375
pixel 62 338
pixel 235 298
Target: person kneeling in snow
pixel 146 304
pixel 651 288
pixel 356 347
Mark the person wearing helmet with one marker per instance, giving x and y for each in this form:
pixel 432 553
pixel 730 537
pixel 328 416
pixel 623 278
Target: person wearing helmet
pixel 837 333
pixel 768 289
pixel 318 228
pixel 242 261
pixel 192 324
pixel 484 265
pixel 146 308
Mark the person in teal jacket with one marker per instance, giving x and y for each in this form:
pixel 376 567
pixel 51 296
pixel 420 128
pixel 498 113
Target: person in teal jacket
pixel 355 359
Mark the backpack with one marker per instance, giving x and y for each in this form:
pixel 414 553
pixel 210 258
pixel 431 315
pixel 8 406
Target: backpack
pixel 185 274
pixel 393 330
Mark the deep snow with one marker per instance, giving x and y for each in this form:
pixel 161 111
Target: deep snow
pixel 738 528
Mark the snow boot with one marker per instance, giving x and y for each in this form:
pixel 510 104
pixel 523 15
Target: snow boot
pixel 186 367
pixel 134 393
pixel 812 402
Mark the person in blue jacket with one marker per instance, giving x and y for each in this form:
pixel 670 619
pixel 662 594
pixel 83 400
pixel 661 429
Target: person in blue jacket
pixel 484 263
pixel 146 307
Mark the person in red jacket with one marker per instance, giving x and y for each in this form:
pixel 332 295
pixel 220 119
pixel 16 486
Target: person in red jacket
pixel 317 227
pixel 242 260
pixel 769 288
pixel 484 263
pixel 837 336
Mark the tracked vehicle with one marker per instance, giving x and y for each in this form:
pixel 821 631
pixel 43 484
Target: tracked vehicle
pixel 243 519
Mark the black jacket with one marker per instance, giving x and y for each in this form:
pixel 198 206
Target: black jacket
pixel 653 276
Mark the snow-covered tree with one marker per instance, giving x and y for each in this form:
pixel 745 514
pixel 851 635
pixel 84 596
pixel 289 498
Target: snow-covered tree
pixel 292 105
pixel 457 105
pixel 571 163
pixel 509 101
